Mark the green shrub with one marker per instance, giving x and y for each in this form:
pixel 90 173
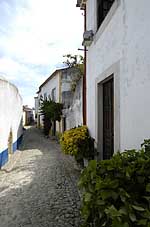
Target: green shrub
pixel 51 112
pixel 116 192
pixel 77 142
pixel 146 145
pixel 58 135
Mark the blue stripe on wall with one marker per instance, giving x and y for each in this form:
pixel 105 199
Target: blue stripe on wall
pixel 17 144
pixel 4 154
pixel 14 146
pixel 19 141
pixel 3 157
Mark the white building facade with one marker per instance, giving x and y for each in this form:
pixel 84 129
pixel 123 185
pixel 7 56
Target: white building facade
pixel 71 97
pixel 36 101
pixel 49 89
pixel 118 73
pixel 58 87
pixel 10 120
pixel 28 116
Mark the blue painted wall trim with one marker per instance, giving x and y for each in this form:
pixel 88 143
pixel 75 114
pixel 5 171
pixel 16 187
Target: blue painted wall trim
pixel 3 157
pixel 17 144
pixel 14 146
pixel 4 154
pixel 19 141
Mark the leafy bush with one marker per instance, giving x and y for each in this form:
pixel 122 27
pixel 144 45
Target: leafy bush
pixel 77 142
pixel 76 62
pixel 146 145
pixel 58 135
pixel 116 192
pixel 51 111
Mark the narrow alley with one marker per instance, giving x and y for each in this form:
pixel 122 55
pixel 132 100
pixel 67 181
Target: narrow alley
pixel 40 189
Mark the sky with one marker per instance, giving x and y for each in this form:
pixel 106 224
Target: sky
pixel 34 36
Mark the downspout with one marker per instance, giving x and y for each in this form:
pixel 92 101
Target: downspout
pixel 84 76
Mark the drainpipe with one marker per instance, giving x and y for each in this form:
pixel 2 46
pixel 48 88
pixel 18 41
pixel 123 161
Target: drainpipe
pixel 84 76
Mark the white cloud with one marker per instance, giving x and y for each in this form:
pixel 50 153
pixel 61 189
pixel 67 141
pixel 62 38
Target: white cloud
pixel 10 68
pixel 45 30
pixel 37 33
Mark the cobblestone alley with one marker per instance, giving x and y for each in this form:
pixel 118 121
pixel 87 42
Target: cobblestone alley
pixel 39 189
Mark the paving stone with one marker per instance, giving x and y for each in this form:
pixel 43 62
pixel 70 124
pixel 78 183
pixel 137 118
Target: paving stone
pixel 39 189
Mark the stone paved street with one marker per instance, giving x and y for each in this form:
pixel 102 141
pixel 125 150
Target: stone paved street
pixel 40 189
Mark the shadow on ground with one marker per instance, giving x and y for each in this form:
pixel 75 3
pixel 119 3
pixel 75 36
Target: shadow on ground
pixel 41 189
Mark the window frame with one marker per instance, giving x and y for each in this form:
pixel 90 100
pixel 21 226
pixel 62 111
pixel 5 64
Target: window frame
pixel 107 19
pixel 103 9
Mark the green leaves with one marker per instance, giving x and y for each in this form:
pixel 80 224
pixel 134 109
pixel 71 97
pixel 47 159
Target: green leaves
pixel 87 197
pixel 112 212
pixel 51 111
pixel 73 60
pixel 77 142
pixel 76 62
pixel 117 192
pixel 132 217
pixel 138 208
pixel 148 187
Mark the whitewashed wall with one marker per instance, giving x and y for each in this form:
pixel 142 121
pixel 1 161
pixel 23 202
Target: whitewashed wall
pixel 72 101
pixel 28 117
pixel 36 104
pixel 123 40
pixel 47 88
pixel 10 118
pixel 73 114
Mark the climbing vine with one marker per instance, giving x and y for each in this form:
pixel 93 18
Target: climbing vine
pixel 75 61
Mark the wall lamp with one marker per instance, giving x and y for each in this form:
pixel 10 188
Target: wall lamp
pixel 87 38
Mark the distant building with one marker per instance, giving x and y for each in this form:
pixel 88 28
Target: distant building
pixel 28 116
pixel 59 88
pixel 117 39
pixel 10 120
pixel 36 108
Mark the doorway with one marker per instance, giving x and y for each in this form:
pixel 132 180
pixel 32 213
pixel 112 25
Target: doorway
pixel 63 124
pixel 54 128
pixel 108 118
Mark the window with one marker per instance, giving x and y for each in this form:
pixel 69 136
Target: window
pixel 45 96
pixel 53 94
pixel 49 97
pixel 103 7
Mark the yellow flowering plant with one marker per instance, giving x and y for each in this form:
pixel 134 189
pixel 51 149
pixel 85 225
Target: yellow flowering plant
pixel 77 142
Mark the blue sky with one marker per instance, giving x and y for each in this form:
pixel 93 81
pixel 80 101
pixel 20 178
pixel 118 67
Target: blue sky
pixel 34 35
